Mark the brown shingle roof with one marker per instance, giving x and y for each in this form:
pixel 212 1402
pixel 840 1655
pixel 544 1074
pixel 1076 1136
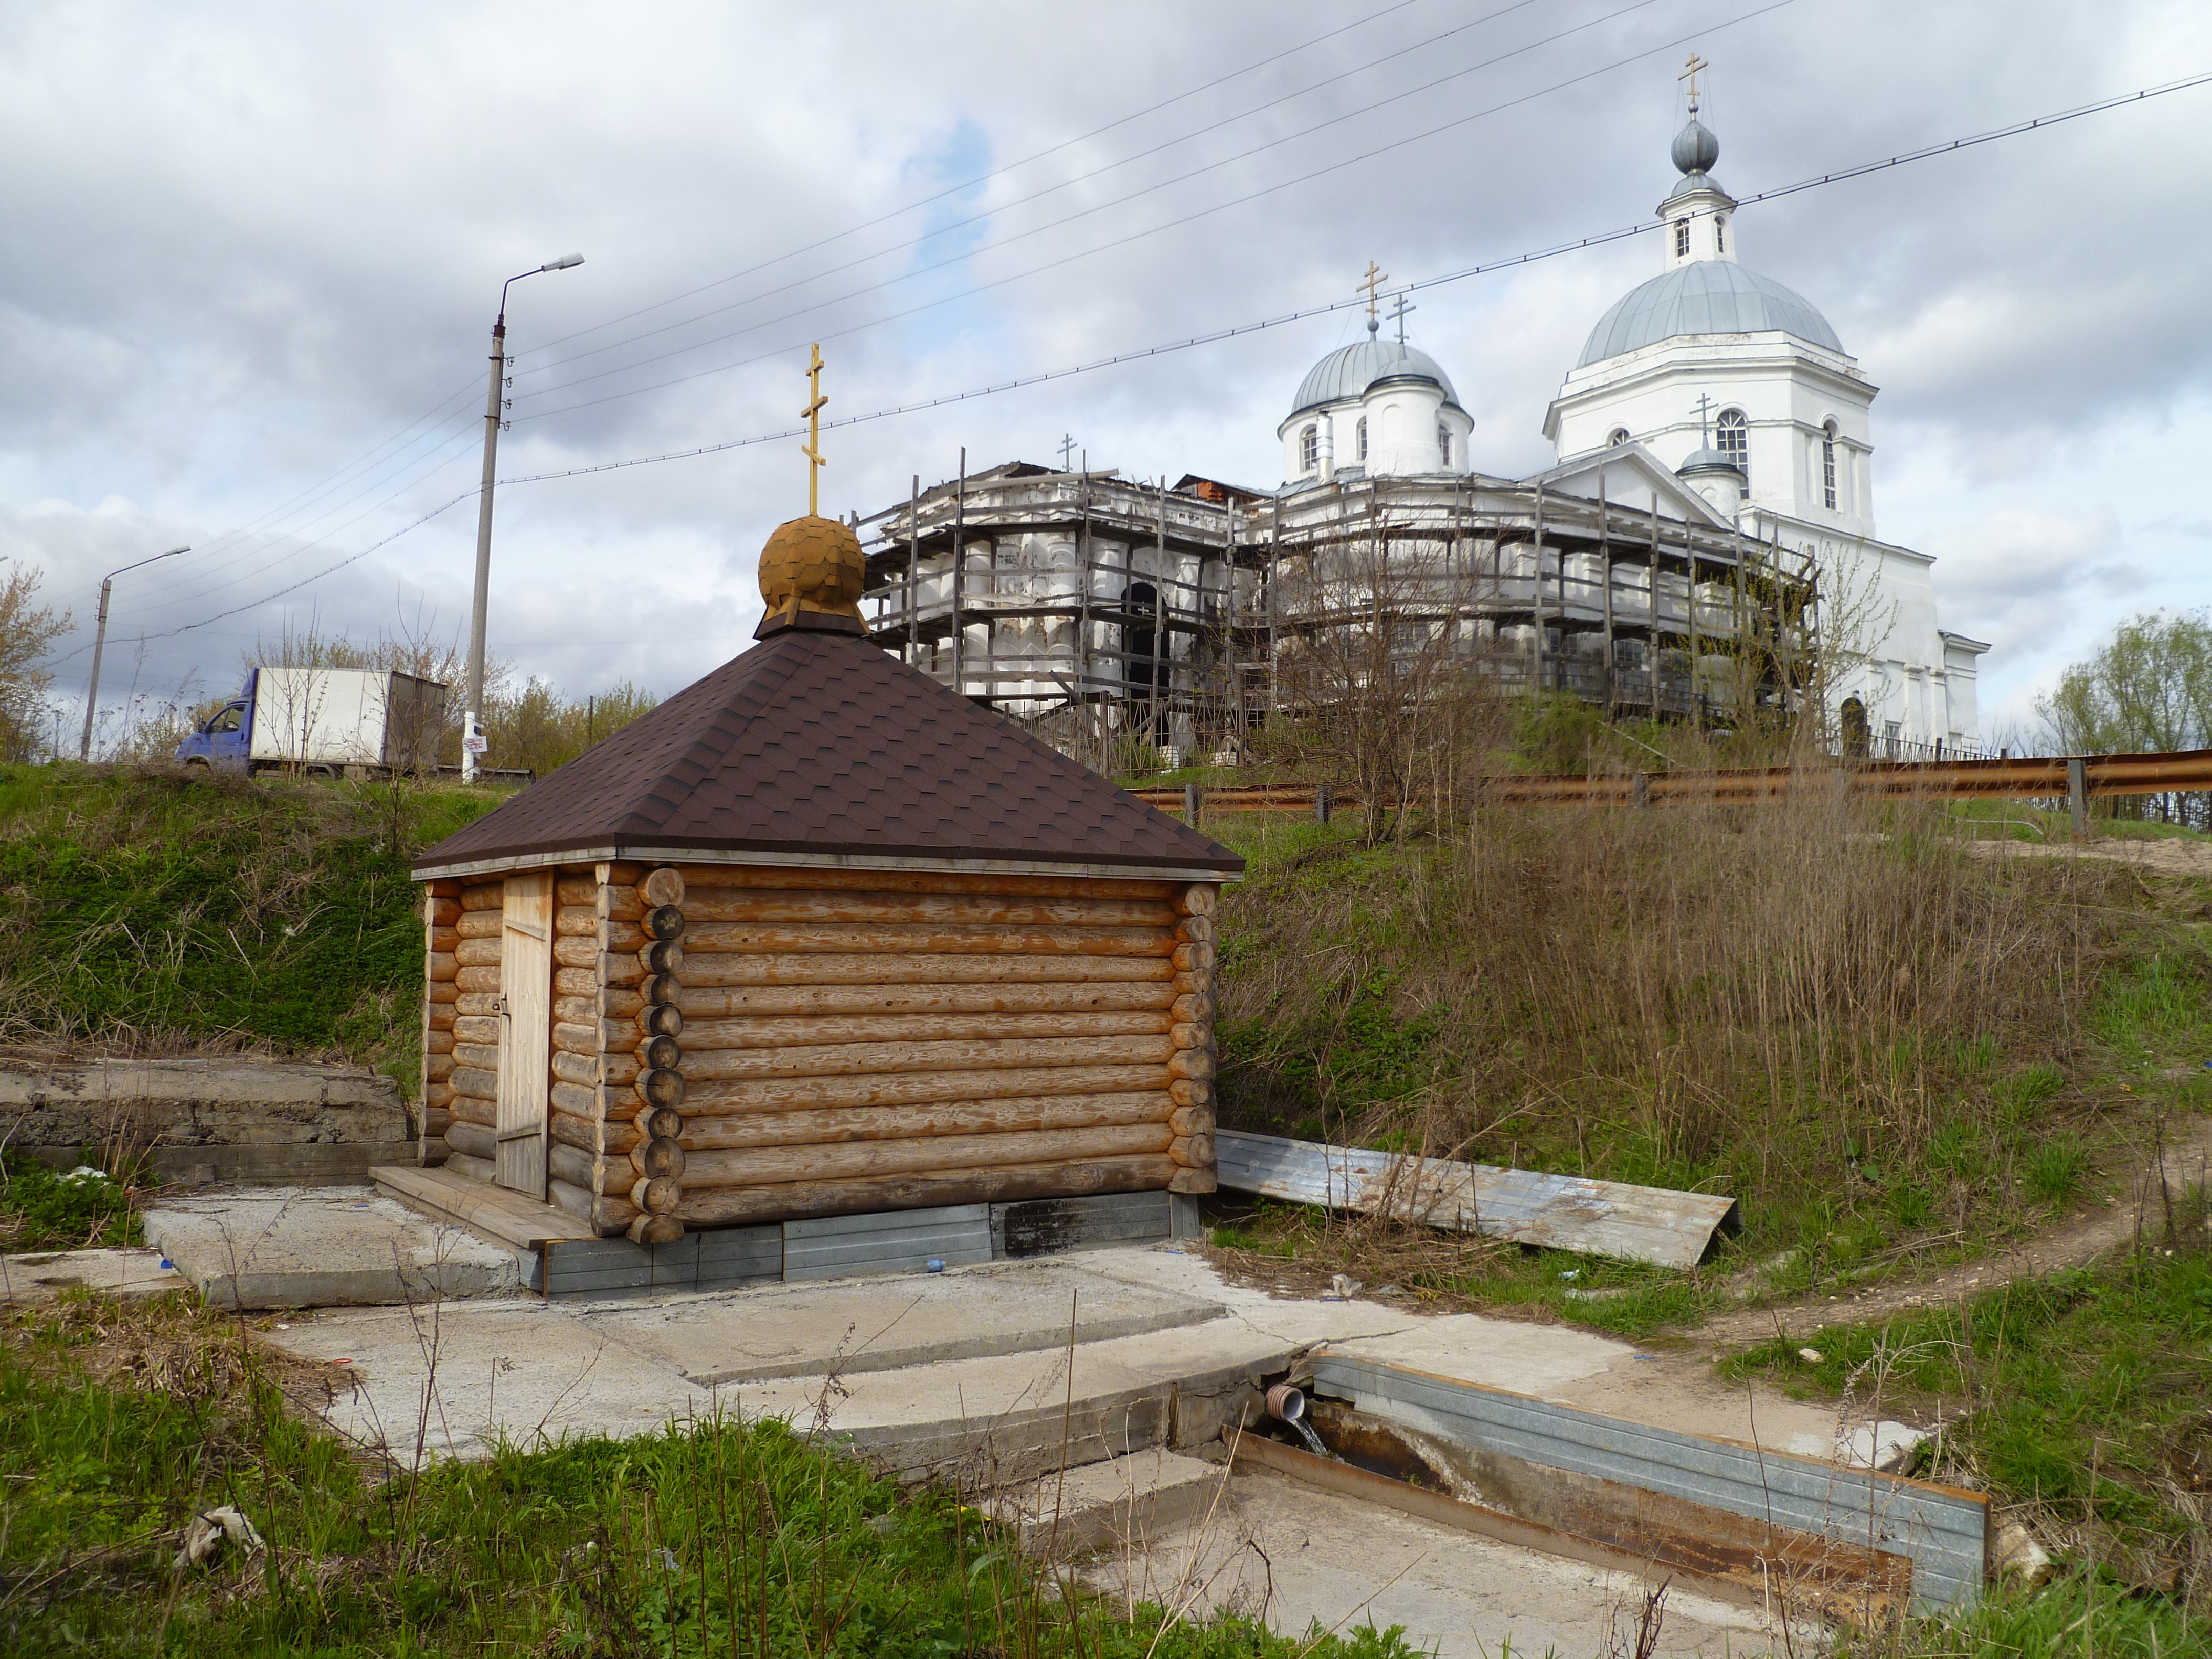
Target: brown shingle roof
pixel 819 742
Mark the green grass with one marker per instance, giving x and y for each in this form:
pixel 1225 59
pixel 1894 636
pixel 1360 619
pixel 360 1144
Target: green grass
pixel 2079 1616
pixel 2086 1390
pixel 44 1209
pixel 713 1537
pixel 149 903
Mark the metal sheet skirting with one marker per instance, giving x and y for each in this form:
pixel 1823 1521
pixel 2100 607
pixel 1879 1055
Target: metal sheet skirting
pixel 1942 1531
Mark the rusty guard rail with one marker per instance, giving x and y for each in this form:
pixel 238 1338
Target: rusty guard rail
pixel 2057 777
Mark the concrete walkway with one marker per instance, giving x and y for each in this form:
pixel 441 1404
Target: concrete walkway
pixel 1165 1354
pixel 321 1247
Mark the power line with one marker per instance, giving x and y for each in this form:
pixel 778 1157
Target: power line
pixel 464 394
pixel 938 231
pixel 981 178
pixel 1007 240
pixel 1169 347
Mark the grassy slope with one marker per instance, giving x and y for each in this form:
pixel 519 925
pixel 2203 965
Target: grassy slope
pixel 1348 1023
pixel 117 1424
pixel 151 908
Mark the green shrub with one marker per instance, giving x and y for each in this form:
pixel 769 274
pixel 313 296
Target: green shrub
pixel 44 1209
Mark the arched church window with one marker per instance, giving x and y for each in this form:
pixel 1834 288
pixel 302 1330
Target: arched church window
pixel 1617 437
pixel 1443 442
pixel 1309 448
pixel 1720 233
pixel 1828 463
pixel 1363 438
pixel 1734 437
pixel 1682 239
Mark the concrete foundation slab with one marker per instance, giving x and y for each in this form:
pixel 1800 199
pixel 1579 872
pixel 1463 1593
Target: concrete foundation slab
pixel 1293 1556
pixel 42 1275
pixel 322 1248
pixel 883 1324
pixel 1121 1504
pixel 454 1379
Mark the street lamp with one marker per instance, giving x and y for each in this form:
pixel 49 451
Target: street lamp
pixel 472 737
pixel 100 642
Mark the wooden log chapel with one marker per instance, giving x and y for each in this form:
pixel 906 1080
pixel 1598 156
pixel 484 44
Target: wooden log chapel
pixel 818 937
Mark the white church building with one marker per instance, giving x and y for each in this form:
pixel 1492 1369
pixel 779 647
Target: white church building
pixel 1713 440
pixel 1742 388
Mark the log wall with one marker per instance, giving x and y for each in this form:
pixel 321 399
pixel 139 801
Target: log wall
pixel 461 1041
pixel 735 1045
pixel 441 912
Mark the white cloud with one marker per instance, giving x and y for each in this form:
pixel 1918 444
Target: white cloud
pixel 245 247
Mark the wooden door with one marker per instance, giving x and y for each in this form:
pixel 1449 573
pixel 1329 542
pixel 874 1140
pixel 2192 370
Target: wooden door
pixel 526 1029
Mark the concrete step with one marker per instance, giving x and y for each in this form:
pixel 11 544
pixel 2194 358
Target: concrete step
pixel 1122 1504
pixel 780 1330
pixel 323 1247
pixel 42 1275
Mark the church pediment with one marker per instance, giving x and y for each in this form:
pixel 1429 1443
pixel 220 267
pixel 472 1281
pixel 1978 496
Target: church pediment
pixel 1631 477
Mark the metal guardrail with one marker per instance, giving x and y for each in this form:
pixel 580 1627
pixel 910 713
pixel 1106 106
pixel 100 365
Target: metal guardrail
pixel 2075 778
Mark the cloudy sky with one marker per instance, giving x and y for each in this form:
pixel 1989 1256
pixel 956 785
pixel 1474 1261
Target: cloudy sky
pixel 251 254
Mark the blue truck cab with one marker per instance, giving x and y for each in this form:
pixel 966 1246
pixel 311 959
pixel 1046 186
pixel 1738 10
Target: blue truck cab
pixel 224 741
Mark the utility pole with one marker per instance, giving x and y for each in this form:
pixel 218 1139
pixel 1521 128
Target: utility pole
pixel 472 737
pixel 99 644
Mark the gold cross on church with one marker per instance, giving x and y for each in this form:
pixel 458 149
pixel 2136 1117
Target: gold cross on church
pixel 812 446
pixel 1697 64
pixel 1374 279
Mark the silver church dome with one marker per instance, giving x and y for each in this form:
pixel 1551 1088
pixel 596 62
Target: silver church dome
pixel 1707 297
pixel 1695 149
pixel 1348 371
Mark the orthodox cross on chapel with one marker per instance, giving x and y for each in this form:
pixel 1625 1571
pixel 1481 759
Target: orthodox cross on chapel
pixel 1399 307
pixel 812 446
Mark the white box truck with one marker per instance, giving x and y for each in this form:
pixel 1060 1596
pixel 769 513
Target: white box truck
pixel 324 721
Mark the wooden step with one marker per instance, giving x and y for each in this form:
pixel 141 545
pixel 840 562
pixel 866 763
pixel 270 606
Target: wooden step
pixel 494 1212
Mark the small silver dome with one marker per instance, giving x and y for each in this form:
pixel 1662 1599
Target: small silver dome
pixel 1695 149
pixel 1348 371
pixel 1709 460
pixel 1706 296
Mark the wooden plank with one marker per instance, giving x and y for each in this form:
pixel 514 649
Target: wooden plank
pixel 718 968
pixel 966 1116
pixel 703 1099
pixel 492 1210
pixel 970 909
pixel 703 878
pixel 850 938
pixel 760 1166
pixel 851 1058
pixel 1561 1212
pixel 782 1001
pixel 526 974
pixel 729 1206
pixel 787 1031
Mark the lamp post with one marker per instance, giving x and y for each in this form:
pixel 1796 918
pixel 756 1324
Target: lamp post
pixel 100 643
pixel 472 737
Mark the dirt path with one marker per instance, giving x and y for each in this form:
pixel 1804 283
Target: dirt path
pixel 2071 1244
pixel 2170 855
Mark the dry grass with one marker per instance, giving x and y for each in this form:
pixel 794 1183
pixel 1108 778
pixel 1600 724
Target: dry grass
pixel 1822 1004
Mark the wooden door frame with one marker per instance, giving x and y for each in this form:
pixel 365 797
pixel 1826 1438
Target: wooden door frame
pixel 525 1033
